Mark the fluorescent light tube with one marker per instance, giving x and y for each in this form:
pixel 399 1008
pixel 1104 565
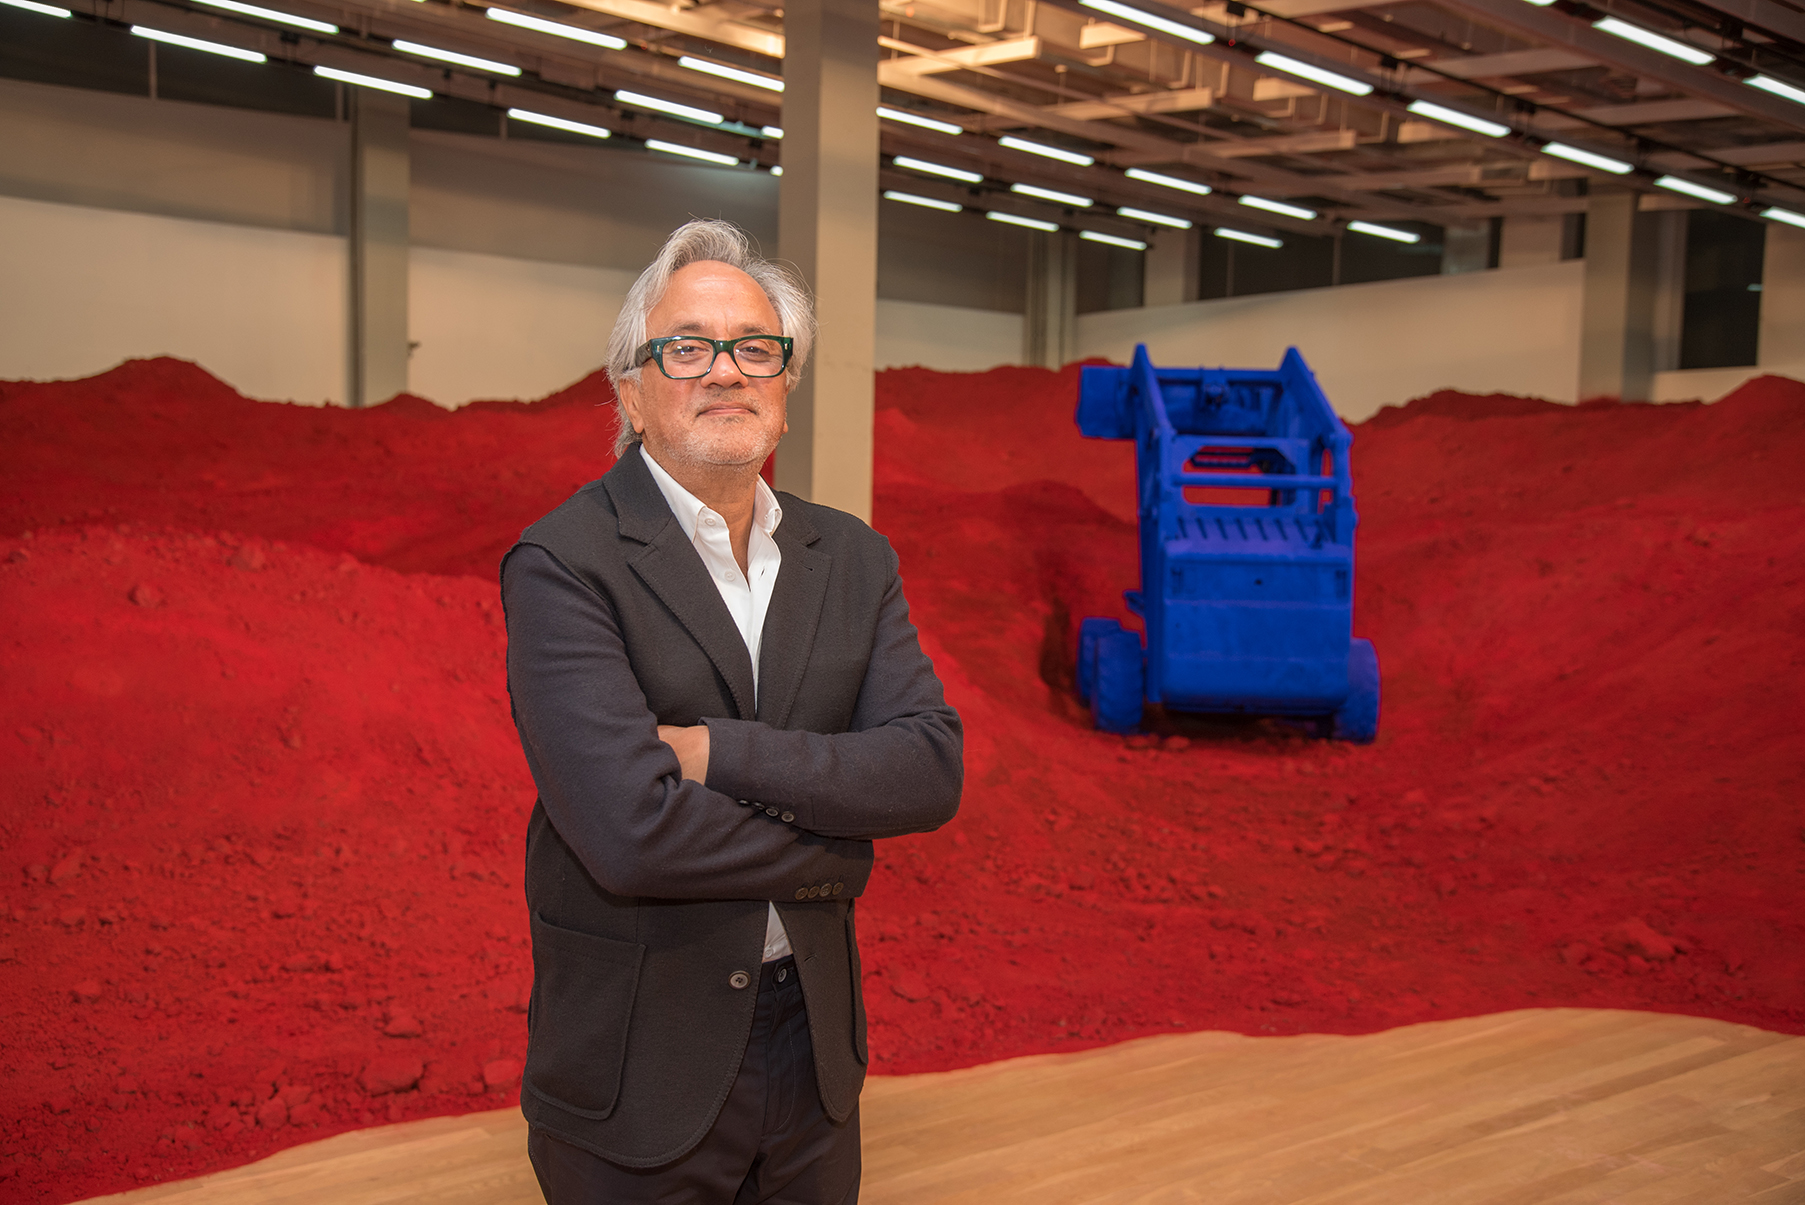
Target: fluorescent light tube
pixel 641 101
pixel 176 39
pixel 1158 219
pixel 1241 236
pixel 1051 152
pixel 916 119
pixel 1146 177
pixel 1030 223
pixel 1454 117
pixel 777 170
pixel 936 169
pixel 270 14
pixel 32 6
pixel 1316 75
pixel 1654 41
pixel 1540 3
pixel 1053 195
pixel 560 123
pixel 1395 235
pixel 452 56
pixel 909 198
pixel 1573 154
pixel 1123 12
pixel 1768 83
pixel 370 81
pixel 692 152
pixel 1785 215
pixel 556 30
pixel 1713 195
pixel 771 131
pixel 732 73
pixel 1290 211
pixel 1093 237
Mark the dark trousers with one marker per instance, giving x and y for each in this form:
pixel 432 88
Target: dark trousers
pixel 771 1143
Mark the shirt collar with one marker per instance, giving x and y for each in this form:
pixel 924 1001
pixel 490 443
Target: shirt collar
pixel 766 513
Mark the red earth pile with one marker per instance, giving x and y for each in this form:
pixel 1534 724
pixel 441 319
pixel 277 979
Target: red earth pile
pixel 263 808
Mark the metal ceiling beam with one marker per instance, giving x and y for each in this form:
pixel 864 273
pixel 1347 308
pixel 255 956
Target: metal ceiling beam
pixel 1547 25
pixel 1764 14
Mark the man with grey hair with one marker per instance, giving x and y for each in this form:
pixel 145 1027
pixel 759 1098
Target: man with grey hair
pixel 723 704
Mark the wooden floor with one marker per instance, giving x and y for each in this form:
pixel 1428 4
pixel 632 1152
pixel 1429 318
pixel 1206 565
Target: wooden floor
pixel 1562 1105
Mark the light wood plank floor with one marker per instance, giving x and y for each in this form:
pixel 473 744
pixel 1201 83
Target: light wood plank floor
pixel 1562 1106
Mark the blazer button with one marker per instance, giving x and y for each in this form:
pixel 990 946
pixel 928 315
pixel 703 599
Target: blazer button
pixel 770 811
pixel 839 887
pixel 802 893
pixel 738 980
pixel 787 817
pixel 813 892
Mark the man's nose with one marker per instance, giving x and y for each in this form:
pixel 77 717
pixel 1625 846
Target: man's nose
pixel 725 370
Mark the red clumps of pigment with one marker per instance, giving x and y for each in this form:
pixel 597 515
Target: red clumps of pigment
pixel 263 809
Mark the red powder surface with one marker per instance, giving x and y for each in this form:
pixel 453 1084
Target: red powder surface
pixel 261 813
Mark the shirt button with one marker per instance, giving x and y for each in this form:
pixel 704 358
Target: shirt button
pixel 708 520
pixel 738 980
pixel 726 576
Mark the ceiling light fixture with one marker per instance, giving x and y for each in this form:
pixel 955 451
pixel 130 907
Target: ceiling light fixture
pixel 1050 152
pixel 559 123
pixel 371 81
pixel 1158 219
pixel 692 152
pixel 32 6
pixel 1573 154
pixel 732 73
pixel 1030 223
pixel 1146 177
pixel 1768 83
pixel 1091 236
pixel 1316 75
pixel 1390 232
pixel 452 56
pixel 1123 12
pixel 556 30
pixel 772 132
pixel 641 101
pixel 937 169
pixel 1454 117
pixel 916 119
pixel 270 14
pixel 1290 211
pixel 176 39
pixel 1241 236
pixel 1713 195
pixel 1784 215
pixel 1654 41
pixel 1053 195
pixel 909 198
pixel 777 170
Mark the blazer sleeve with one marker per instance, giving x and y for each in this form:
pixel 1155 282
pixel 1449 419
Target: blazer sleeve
pixel 616 793
pixel 899 768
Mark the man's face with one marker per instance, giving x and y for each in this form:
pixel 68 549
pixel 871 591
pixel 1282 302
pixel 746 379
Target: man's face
pixel 725 418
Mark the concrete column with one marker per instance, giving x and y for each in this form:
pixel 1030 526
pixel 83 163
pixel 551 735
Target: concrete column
pixel 379 243
pixel 1782 346
pixel 1668 313
pixel 1531 240
pixel 1049 328
pixel 1616 338
pixel 1170 268
pixel 827 227
pixel 1466 248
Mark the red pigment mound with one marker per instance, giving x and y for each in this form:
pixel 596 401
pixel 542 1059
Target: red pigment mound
pixel 264 803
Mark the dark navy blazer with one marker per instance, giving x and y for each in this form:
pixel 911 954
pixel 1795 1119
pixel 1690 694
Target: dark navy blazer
pixel 648 891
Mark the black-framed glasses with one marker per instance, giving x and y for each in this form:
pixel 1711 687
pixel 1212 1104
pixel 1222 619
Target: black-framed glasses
pixel 685 357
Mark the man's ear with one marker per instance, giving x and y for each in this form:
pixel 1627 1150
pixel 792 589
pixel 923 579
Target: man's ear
pixel 628 392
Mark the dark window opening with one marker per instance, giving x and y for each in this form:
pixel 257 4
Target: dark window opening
pixel 1720 325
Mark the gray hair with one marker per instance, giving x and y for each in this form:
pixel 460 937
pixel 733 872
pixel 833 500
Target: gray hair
pixel 694 242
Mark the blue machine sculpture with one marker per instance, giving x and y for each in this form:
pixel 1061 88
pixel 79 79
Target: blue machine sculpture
pixel 1247 550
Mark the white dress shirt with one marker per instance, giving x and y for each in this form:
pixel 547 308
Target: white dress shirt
pixel 747 595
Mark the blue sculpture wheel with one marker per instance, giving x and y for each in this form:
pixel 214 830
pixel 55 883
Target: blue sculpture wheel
pixel 1117 691
pixel 1088 632
pixel 1358 718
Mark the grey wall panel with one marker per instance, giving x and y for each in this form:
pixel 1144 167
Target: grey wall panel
pixel 950 259
pixel 80 147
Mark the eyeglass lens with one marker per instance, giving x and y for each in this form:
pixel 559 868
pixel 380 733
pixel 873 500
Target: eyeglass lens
pixel 694 357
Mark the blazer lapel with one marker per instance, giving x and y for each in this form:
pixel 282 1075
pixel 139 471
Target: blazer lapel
pixel 672 569
pixel 792 618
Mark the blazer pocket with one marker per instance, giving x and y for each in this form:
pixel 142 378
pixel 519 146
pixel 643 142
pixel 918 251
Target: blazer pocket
pixel 583 990
pixel 858 989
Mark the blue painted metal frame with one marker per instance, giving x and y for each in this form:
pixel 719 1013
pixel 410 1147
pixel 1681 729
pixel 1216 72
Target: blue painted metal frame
pixel 1248 608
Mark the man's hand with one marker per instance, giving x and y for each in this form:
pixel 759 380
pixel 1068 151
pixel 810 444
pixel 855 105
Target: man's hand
pixel 691 747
